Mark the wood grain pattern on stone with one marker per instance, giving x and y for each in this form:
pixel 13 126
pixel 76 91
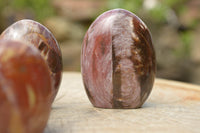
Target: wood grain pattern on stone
pixel 119 53
pixel 25 89
pixel 172 107
pixel 34 33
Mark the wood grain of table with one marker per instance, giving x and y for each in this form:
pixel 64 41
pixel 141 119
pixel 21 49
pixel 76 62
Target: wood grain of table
pixel 172 107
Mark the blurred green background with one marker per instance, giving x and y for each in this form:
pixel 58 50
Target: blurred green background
pixel 174 24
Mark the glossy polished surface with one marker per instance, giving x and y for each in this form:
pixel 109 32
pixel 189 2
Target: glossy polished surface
pixel 34 33
pixel 25 89
pixel 118 61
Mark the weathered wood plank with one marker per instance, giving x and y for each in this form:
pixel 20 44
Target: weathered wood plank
pixel 171 108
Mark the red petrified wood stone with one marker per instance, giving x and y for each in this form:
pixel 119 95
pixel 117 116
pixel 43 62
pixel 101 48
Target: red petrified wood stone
pixel 118 61
pixel 33 33
pixel 25 89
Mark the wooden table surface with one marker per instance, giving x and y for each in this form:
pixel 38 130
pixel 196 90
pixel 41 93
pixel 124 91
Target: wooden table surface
pixel 172 107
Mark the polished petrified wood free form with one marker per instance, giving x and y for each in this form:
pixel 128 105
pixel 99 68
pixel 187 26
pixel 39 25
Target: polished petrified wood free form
pixel 25 88
pixel 118 60
pixel 34 33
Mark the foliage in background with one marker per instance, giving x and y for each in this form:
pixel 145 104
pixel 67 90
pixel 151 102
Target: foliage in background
pixel 39 8
pixel 131 5
pixel 157 9
pixel 185 50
